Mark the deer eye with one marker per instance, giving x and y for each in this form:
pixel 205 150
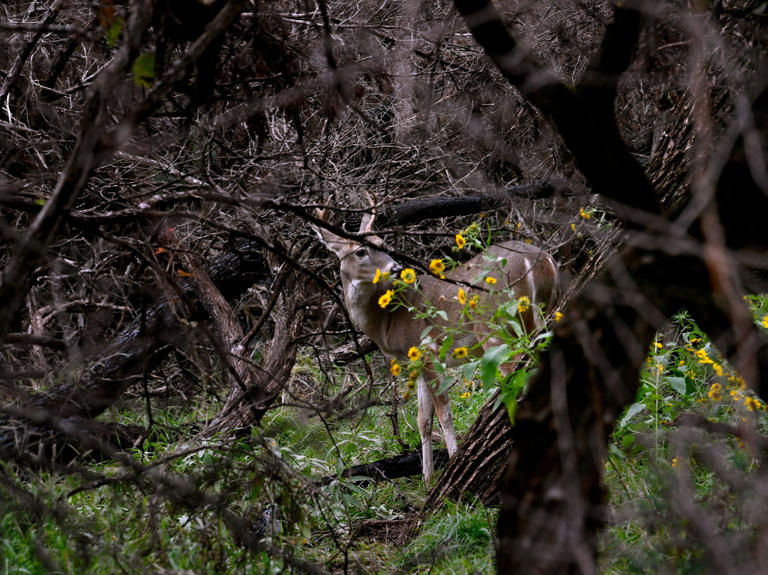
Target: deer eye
pixel 361 252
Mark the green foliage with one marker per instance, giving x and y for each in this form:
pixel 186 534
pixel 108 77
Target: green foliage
pixel 113 31
pixel 667 480
pixel 458 540
pixel 144 70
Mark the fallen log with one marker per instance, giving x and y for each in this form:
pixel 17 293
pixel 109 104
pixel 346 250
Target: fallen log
pixel 404 465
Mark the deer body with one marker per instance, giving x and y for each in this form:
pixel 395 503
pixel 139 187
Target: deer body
pixel 527 270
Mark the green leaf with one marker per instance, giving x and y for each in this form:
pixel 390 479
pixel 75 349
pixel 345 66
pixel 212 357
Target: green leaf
pixel 468 369
pixel 509 390
pixel 678 384
pixel 490 362
pixel 516 327
pixel 627 441
pixel 144 70
pixel 113 32
pixel 633 410
pixel 445 346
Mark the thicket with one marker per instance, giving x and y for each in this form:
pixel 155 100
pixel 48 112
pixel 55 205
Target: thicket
pixel 181 387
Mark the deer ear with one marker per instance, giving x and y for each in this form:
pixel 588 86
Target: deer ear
pixel 334 243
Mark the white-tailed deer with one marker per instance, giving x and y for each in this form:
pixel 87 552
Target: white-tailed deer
pixel 526 269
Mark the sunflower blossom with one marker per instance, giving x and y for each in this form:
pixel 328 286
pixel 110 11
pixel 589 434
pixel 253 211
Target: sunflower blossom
pixel 437 267
pixel 460 352
pixel 408 275
pixel 386 298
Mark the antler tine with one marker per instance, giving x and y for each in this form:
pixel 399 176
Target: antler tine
pixel 366 224
pixel 320 214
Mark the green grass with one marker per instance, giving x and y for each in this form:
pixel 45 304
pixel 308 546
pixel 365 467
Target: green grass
pixel 682 498
pixel 108 519
pixel 124 517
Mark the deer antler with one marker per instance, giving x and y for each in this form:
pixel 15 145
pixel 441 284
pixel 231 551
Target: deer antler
pixel 366 224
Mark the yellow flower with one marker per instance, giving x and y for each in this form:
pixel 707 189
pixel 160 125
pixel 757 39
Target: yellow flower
pixel 380 276
pixel 465 395
pixel 386 298
pixel 558 316
pixel 660 367
pixel 674 462
pixel 473 301
pixel 765 321
pixel 414 353
pixel 460 241
pixel 738 381
pixel 462 296
pixel 408 275
pixel 407 395
pixel 584 214
pixel 395 368
pixel 437 267
pixel 460 352
pixel 490 280
pixel 715 392
pixel 718 368
pixel 413 375
pixel 703 357
pixel 573 227
pixel 523 304
pixel 657 345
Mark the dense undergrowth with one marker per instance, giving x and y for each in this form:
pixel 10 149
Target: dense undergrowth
pixel 139 515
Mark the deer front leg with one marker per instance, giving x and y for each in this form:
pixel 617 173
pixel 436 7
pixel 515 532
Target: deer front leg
pixel 444 415
pixel 426 410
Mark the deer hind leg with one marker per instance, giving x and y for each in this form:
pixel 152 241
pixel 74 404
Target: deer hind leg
pixel 444 415
pixel 426 410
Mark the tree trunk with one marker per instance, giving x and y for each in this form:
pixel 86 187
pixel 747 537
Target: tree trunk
pixel 552 497
pixel 480 460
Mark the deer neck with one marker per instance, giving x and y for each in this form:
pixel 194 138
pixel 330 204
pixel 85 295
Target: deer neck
pixel 362 300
